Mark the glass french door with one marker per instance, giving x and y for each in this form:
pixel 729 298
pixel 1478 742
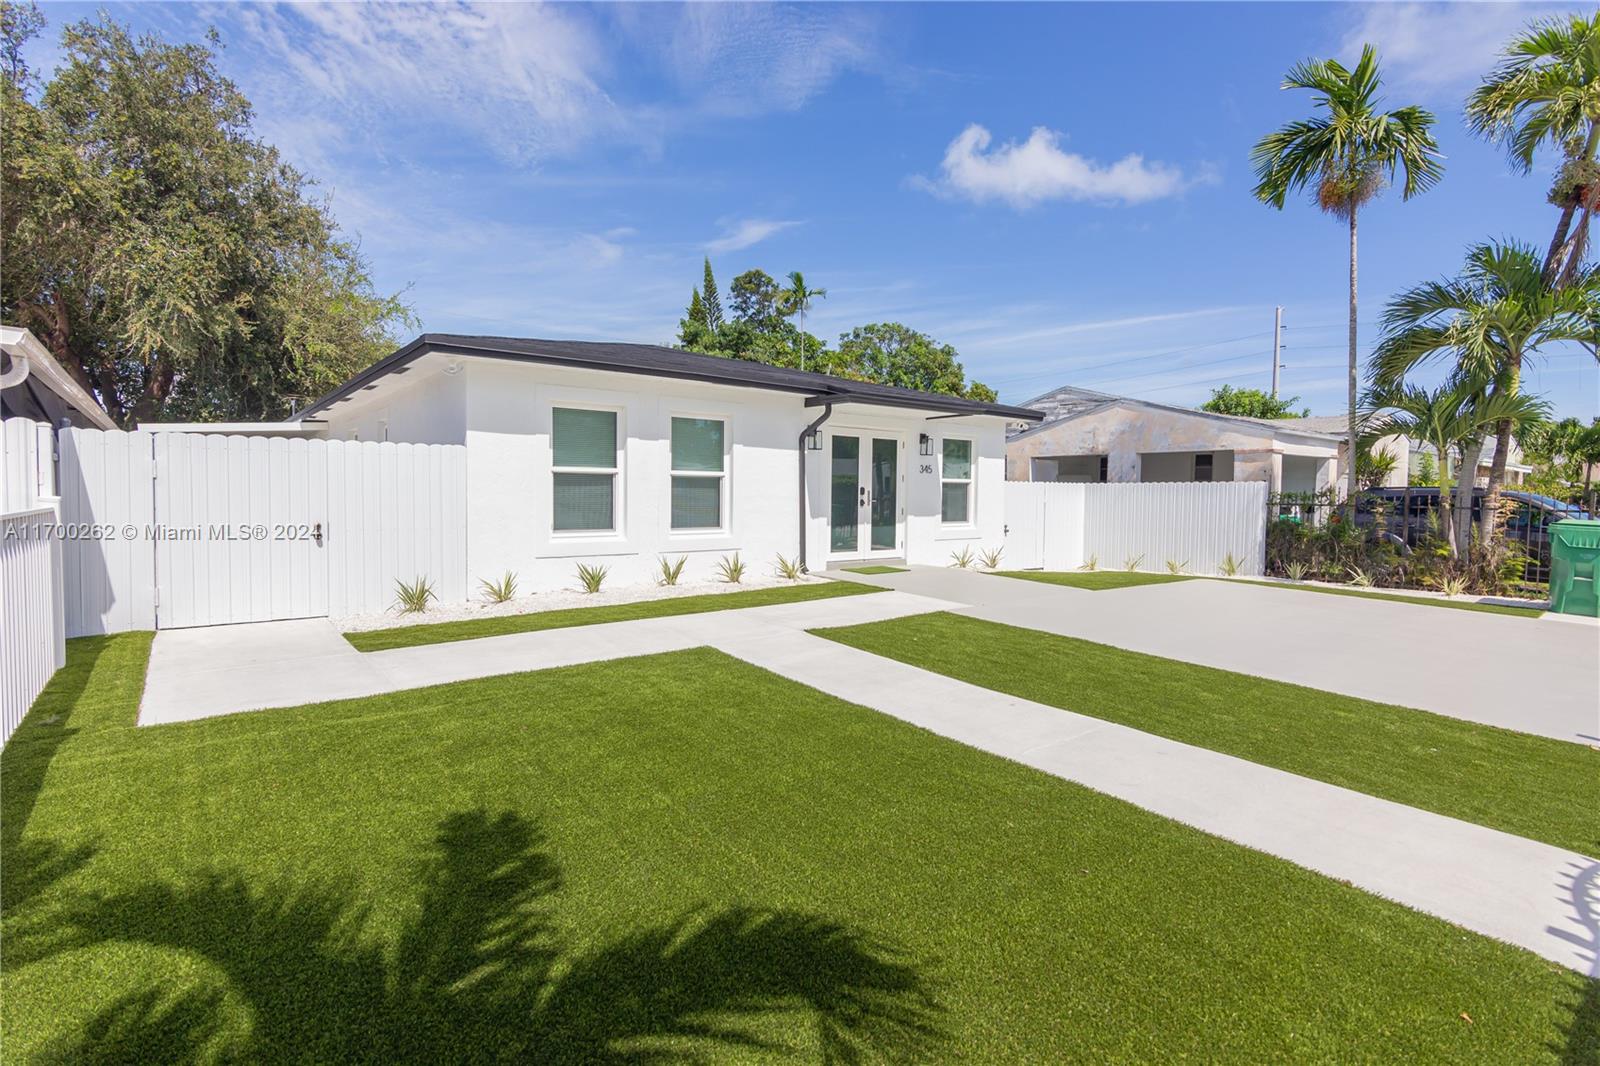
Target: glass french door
pixel 864 495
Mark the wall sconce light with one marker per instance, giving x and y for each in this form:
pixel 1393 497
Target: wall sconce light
pixel 925 444
pixel 814 441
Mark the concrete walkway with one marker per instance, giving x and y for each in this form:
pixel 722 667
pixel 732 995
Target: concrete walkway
pixel 1533 895
pixel 1517 673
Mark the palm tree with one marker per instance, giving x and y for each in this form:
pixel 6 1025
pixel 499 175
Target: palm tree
pixel 1345 156
pixel 1490 320
pixel 797 299
pixel 1546 92
pixel 1454 418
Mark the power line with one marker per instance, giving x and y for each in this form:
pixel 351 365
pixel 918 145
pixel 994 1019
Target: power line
pixel 1123 362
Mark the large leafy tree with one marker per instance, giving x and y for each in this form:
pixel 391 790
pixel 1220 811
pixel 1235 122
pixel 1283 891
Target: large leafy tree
pixel 1252 403
pixel 166 256
pixel 1344 155
pixel 893 354
pixel 1488 322
pixel 1546 93
pixel 1454 418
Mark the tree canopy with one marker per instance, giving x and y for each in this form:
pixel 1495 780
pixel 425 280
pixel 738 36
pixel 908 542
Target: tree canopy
pixel 172 262
pixel 760 329
pixel 1252 403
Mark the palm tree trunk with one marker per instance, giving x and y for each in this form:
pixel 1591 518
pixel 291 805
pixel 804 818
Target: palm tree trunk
pixel 1559 265
pixel 1502 451
pixel 1350 454
pixel 1466 481
pixel 1447 525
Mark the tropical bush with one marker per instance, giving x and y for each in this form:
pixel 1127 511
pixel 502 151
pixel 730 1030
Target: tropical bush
pixel 591 577
pixel 671 569
pixel 413 597
pixel 499 591
pixel 789 569
pixel 731 569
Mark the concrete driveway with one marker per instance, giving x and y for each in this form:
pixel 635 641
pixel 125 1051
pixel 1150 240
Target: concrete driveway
pixel 1535 676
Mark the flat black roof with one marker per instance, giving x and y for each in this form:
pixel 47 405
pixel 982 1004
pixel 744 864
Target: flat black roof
pixel 657 361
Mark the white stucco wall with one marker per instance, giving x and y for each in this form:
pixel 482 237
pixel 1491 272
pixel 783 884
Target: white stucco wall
pixel 1156 444
pixel 500 410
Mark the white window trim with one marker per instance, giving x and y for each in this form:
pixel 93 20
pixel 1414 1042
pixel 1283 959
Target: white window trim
pixel 615 472
pixel 724 488
pixel 969 481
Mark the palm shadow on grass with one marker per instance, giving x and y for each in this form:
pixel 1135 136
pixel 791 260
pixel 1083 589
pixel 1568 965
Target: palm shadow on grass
pixel 478 974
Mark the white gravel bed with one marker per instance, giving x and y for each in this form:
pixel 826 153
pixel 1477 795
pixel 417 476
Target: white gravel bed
pixel 558 600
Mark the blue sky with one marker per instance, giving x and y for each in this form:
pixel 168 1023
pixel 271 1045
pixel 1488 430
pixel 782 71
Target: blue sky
pixel 1060 191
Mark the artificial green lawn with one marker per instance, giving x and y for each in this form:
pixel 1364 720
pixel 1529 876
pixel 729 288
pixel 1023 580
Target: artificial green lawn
pixel 1093 580
pixel 500 625
pixel 677 854
pixel 1533 786
pixel 1426 601
pixel 876 569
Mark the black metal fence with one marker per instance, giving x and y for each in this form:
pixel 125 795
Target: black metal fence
pixel 1411 517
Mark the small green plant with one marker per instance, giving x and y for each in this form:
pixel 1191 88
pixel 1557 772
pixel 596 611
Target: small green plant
pixel 1092 564
pixel 731 569
pixel 991 557
pixel 1230 566
pixel 413 597
pixel 962 559
pixel 1174 567
pixel 671 570
pixel 591 577
pixel 1453 585
pixel 1132 562
pixel 1359 577
pixel 789 569
pixel 1297 571
pixel 499 591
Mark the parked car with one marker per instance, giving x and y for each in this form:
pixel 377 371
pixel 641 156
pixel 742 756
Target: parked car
pixel 1409 515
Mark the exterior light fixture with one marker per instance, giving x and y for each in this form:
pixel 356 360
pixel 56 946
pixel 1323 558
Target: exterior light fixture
pixel 925 444
pixel 814 441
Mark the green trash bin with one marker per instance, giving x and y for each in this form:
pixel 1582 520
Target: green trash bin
pixel 1574 562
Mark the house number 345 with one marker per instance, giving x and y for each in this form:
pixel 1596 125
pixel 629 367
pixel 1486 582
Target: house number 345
pixel 927 468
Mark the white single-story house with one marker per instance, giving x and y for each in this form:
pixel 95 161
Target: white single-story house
pixel 1088 436
pixel 618 454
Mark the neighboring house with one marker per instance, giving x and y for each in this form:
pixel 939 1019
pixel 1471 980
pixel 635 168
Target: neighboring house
pixel 618 454
pixel 1408 454
pixel 35 386
pixel 1096 437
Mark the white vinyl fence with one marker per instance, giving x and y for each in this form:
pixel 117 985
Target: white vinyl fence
pixel 1054 526
pixel 167 530
pixel 32 630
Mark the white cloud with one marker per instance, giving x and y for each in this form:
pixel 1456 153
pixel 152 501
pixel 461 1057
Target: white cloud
pixel 1027 174
pixel 1438 46
pixel 744 234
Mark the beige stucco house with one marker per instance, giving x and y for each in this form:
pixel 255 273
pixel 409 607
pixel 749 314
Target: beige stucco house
pixel 1094 437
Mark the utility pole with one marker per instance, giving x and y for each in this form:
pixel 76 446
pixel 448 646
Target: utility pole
pixel 1277 338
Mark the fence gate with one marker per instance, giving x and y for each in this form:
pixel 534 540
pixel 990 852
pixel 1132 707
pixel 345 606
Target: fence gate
pixel 1024 526
pixel 239 529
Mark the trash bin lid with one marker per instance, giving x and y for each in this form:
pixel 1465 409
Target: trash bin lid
pixel 1577 532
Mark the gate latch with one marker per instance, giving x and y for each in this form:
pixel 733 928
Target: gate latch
pixel 316 533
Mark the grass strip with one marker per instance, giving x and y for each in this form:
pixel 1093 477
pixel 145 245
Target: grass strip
pixel 1093 580
pixel 1532 786
pixel 875 569
pixel 1425 601
pixel 500 625
pixel 676 857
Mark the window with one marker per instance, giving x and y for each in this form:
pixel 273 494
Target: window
pixel 1105 466
pixel 583 447
pixel 1202 466
pixel 955 482
pixel 697 473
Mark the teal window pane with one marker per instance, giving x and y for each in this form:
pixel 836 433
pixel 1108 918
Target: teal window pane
pixel 696 444
pixel 696 503
pixel 584 438
pixel 584 502
pixel 955 502
pixel 958 459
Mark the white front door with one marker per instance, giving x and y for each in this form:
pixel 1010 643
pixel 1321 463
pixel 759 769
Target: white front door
pixel 866 506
